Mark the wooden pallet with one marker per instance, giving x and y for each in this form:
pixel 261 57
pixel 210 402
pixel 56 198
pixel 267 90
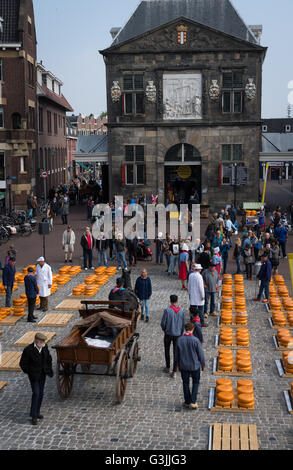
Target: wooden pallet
pixel 232 325
pixel 228 436
pixel 234 408
pixel 277 327
pixel 29 337
pixel 10 321
pixel 281 369
pixel 233 346
pixel 277 345
pixel 234 372
pixel 70 304
pixel 3 384
pixel 9 360
pixel 289 401
pixel 55 319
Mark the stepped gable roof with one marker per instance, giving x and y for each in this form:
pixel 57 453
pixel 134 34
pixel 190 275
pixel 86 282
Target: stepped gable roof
pixel 217 14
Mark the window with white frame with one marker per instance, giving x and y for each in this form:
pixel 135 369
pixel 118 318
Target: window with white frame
pixel 232 96
pixel 133 94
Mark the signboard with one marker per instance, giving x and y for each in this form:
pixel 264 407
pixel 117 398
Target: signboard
pixel 44 174
pixel 233 175
pixel 240 176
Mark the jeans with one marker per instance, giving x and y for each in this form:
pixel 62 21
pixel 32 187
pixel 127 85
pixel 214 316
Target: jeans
pixel 121 256
pixel 225 261
pixel 195 375
pixel 87 258
pixel 238 264
pixel 168 261
pixel 167 343
pixel 159 256
pixel 38 393
pixel 283 248
pixel 103 261
pixel 132 256
pixel 210 296
pixel 173 261
pixel 264 286
pixel 197 310
pixel 8 296
pixel 113 250
pixel 249 270
pixel 145 307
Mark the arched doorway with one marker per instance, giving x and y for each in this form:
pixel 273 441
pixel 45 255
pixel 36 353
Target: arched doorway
pixel 182 173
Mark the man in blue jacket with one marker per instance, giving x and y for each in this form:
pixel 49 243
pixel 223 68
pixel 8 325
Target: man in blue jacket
pixel 281 234
pixel 172 324
pixel 190 359
pixel 143 290
pixel 8 280
pixel 264 275
pixel 31 290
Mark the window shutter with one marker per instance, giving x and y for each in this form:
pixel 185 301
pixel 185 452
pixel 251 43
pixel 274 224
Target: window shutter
pixel 123 179
pixel 220 174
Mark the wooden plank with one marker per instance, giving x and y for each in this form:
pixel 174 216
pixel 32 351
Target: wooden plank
pixel 244 437
pixel 217 436
pixel 28 338
pixel 226 436
pixel 9 360
pixel 10 321
pixel 235 437
pixel 55 319
pixel 253 442
pixel 70 304
pixel 3 384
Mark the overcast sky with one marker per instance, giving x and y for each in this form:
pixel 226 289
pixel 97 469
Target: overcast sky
pixel 70 34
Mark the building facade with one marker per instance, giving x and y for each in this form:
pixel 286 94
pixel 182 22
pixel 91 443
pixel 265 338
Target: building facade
pixel 52 144
pixel 71 143
pixel 18 102
pixel 184 83
pixel 277 149
pixel 89 125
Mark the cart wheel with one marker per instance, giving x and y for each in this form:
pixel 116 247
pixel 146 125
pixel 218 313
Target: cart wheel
pixel 133 358
pixel 121 376
pixel 64 377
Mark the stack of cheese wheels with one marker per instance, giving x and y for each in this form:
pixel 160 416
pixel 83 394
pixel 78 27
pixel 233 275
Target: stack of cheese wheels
pixel 226 317
pixel 240 303
pixel 224 393
pixel 24 271
pixel 18 302
pixel 18 311
pixel 239 290
pixel 100 270
pixel 279 318
pixel 226 303
pixel 78 290
pixel 241 317
pixel 273 291
pixel 64 270
pixel 275 303
pixel 90 280
pixel 111 270
pixel 242 337
pixel 287 366
pixel 54 288
pixel 15 286
pixel 225 360
pixel 279 280
pixel 20 278
pixel 284 337
pixel 283 291
pixel 4 312
pixel 226 336
pixel 227 290
pixel 101 280
pixel 290 318
pixel 287 304
pixel 243 361
pixel 63 279
pixel 245 395
pixel 74 270
pixel 90 290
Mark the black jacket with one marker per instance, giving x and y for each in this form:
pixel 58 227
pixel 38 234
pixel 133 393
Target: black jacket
pixel 84 242
pixel 120 295
pixel 102 245
pixel 34 363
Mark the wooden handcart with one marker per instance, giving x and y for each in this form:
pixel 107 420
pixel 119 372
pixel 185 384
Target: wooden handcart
pixel 76 357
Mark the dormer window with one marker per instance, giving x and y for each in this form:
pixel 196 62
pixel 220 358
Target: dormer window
pixel 264 128
pixel 287 128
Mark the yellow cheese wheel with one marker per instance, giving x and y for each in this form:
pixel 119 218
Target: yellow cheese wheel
pixel 245 390
pixel 225 397
pixel 224 381
pixel 224 388
pixel 223 404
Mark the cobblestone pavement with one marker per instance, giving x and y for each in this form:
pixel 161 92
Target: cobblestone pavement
pixel 151 415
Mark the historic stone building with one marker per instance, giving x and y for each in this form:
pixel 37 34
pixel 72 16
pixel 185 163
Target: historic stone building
pixel 18 101
pixel 184 81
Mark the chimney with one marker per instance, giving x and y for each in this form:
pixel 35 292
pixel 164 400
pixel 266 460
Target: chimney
pixel 114 31
pixel 257 31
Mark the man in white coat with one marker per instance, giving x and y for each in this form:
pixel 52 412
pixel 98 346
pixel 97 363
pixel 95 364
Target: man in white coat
pixel 44 280
pixel 196 293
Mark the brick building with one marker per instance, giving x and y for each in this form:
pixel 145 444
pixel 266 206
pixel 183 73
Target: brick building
pixel 184 83
pixel 71 139
pixel 89 125
pixel 52 144
pixel 18 102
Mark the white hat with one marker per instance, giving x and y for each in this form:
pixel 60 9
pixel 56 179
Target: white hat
pixel 217 249
pixel 40 259
pixel 198 267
